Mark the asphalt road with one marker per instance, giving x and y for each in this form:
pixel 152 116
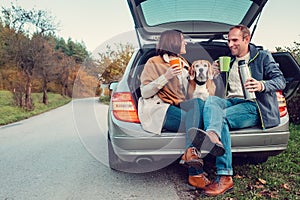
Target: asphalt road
pixel 62 154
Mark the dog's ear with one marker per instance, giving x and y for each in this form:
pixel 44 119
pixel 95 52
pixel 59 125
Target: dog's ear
pixel 210 72
pixel 211 87
pixel 192 71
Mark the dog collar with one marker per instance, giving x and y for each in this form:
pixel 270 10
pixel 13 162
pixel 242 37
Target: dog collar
pixel 199 83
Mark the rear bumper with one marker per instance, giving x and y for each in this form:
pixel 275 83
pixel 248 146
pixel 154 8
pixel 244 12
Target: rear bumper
pixel 130 141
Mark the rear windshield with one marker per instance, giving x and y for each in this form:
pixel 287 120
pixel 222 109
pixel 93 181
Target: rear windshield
pixel 221 11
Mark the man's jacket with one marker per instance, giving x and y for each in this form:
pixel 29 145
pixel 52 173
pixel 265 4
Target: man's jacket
pixel 264 68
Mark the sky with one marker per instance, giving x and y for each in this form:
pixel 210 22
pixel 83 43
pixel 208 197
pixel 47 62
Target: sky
pixel 100 22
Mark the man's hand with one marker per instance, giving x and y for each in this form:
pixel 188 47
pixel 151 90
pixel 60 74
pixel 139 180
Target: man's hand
pixel 252 85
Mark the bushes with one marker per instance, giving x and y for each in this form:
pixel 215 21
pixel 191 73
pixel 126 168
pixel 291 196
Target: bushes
pixel 294 108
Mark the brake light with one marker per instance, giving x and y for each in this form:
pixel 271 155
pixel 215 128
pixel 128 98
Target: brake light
pixel 123 107
pixel 281 103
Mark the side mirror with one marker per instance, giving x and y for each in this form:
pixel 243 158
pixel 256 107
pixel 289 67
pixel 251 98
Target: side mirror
pixel 113 86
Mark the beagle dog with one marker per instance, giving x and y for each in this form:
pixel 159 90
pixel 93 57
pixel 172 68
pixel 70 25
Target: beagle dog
pixel 201 80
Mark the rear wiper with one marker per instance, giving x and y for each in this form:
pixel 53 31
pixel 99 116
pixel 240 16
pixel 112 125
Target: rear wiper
pixel 216 37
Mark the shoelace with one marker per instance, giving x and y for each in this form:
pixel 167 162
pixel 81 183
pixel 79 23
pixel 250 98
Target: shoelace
pixel 218 179
pixel 206 180
pixel 196 152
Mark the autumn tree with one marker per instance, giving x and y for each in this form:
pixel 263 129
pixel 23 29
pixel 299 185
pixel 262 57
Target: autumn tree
pixel 113 61
pixel 58 66
pixel 10 78
pixel 67 66
pixel 7 40
pixel 47 67
pixel 24 49
pixel 2 44
pixel 75 55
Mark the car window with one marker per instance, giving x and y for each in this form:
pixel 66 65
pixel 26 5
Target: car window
pixel 221 11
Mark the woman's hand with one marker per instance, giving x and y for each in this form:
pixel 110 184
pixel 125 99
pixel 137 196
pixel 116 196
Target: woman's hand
pixel 171 72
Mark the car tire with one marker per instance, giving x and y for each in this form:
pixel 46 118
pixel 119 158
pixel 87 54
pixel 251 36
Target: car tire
pixel 258 160
pixel 114 161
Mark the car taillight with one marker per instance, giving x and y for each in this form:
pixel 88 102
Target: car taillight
pixel 281 104
pixel 123 107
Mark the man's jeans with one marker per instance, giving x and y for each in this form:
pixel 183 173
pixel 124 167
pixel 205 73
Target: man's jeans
pixel 220 115
pixel 184 117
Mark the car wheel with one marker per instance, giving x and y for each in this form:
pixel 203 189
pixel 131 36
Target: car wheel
pixel 114 161
pixel 258 160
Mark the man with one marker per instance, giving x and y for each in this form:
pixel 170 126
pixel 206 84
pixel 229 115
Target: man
pixel 232 112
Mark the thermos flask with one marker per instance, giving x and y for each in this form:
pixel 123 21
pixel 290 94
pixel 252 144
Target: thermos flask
pixel 244 73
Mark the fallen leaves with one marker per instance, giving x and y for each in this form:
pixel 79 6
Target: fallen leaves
pixel 262 181
pixel 268 193
pixel 260 188
pixel 286 186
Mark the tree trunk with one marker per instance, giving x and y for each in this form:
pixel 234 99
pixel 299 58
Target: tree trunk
pixel 28 100
pixel 45 96
pixel 63 90
pixel 66 91
pixel 18 96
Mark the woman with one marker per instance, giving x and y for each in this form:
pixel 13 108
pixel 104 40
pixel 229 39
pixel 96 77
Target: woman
pixel 164 103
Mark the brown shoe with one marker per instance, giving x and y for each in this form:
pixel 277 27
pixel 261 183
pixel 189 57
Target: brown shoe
pixel 191 158
pixel 220 186
pixel 199 181
pixel 206 141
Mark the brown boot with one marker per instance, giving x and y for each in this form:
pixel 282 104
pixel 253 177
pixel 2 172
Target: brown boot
pixel 199 181
pixel 206 141
pixel 191 158
pixel 220 186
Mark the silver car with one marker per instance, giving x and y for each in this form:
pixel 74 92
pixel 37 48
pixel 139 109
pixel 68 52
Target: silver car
pixel 205 26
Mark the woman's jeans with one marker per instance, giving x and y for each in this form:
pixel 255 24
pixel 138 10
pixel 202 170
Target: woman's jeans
pixel 187 115
pixel 220 115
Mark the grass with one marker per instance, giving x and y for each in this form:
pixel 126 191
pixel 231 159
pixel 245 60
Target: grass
pixel 104 99
pixel 278 178
pixel 10 113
